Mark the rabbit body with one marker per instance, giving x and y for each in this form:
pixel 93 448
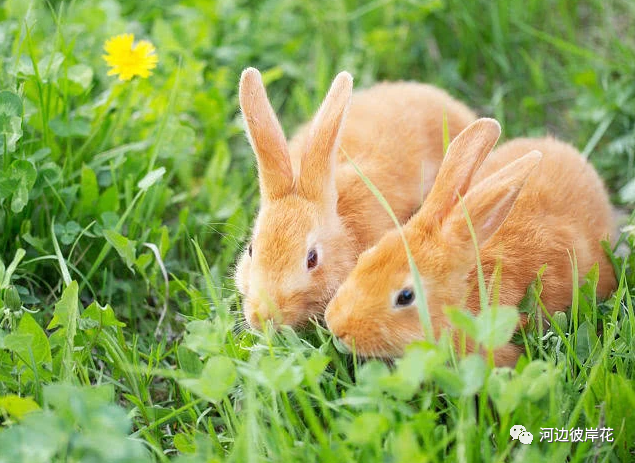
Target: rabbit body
pixel 562 209
pixel 527 210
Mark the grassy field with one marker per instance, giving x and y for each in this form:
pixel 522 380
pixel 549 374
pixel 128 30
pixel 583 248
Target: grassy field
pixel 123 206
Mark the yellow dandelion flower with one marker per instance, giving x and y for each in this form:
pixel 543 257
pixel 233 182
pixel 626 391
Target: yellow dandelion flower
pixel 128 59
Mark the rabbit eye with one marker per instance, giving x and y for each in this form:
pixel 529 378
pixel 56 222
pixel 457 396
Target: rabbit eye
pixel 311 259
pixel 249 250
pixel 405 298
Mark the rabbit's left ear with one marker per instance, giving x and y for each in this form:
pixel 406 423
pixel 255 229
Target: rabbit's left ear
pixel 317 169
pixel 266 137
pixel 490 201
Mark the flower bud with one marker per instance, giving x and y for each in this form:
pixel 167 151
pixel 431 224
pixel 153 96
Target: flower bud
pixel 12 298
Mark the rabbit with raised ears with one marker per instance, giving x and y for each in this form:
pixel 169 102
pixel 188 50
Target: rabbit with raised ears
pixel 316 214
pixel 531 202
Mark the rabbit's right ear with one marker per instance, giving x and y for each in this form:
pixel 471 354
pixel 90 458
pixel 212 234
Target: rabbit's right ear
pixel 465 155
pixel 266 137
pixel 490 201
pixel 317 171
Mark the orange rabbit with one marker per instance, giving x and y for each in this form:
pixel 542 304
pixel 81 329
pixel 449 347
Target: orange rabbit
pixel 316 214
pixel 527 210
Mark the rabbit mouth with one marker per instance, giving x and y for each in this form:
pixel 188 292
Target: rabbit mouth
pixel 346 345
pixel 296 312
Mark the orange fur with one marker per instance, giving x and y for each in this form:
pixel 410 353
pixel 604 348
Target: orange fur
pixel 527 210
pixel 392 131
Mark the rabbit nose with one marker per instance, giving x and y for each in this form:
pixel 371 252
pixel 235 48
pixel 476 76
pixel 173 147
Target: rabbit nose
pixel 341 338
pixel 335 320
pixel 258 314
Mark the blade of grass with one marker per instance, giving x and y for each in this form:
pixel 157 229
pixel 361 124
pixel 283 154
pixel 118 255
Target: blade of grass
pixel 422 304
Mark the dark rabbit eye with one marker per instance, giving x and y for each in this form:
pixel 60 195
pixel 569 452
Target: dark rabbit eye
pixel 249 250
pixel 311 259
pixel 405 298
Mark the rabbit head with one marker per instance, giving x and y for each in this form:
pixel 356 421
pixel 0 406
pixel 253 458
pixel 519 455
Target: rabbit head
pixel 375 308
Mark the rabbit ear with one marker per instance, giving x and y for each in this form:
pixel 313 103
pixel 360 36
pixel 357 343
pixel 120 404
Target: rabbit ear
pixel 464 156
pixel 317 177
pixel 490 201
pixel 266 137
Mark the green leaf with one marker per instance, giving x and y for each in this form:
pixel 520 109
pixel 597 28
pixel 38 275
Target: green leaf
pixel 216 380
pixel 10 132
pixel 31 345
pixel 37 439
pixel 151 178
pixel 420 362
pixel 74 127
pixel 620 408
pixel 10 104
pixel 49 65
pixel 367 427
pixel 207 337
pixel 105 316
pixel 537 379
pixel 496 325
pixel 143 261
pixel 24 66
pixel 49 174
pixel 60 396
pixel 65 315
pixel 17 406
pixel 20 197
pixel 164 243
pixel 81 74
pixel 178 141
pixel 24 170
pixel 529 303
pixel 108 204
pixel 463 320
pixel 11 110
pixel 7 187
pixel 586 340
pixel 315 366
pixel 125 248
pixel 472 371
pixel 189 361
pixel 24 174
pixel 449 381
pixel 184 443
pixel 371 378
pixel 279 374
pixel 587 300
pixel 68 232
pixel 504 389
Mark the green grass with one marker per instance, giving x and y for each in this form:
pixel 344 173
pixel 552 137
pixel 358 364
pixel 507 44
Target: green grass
pixel 123 206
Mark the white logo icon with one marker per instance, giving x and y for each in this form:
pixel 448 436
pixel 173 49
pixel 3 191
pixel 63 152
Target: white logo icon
pixel 526 437
pixel 519 432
